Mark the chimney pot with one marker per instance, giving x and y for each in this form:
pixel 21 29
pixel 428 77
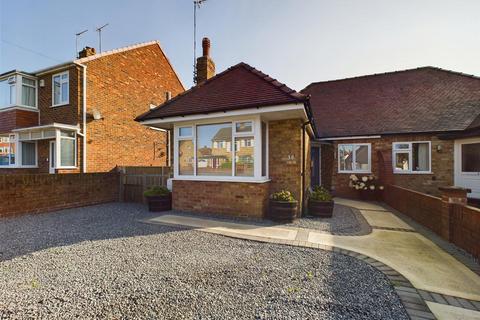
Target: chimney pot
pixel 206 47
pixel 86 52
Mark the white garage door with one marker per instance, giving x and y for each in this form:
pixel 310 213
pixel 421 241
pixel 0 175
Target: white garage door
pixel 467 165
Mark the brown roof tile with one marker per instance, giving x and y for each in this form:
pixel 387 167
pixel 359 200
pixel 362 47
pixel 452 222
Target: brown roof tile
pixel 238 87
pixel 426 99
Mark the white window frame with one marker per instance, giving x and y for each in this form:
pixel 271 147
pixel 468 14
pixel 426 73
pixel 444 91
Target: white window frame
pixel 61 103
pixel 410 157
pixel 20 158
pixel 15 140
pixel 257 154
pixel 369 170
pixel 58 151
pixel 17 92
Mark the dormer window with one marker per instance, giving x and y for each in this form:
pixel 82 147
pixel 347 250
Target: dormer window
pixel 18 90
pixel 60 90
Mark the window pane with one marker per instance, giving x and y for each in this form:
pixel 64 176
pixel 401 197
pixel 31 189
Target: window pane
pixel 471 157
pixel 67 152
pixel 244 156
pixel 214 149
pixel 7 93
pixel 361 158
pixel 28 81
pixel 264 149
pixel 345 154
pixel 65 92
pixel 70 134
pixel 401 146
pixel 401 161
pixel 244 126
pixel 421 156
pixel 56 90
pixel 28 96
pixel 4 150
pixel 12 150
pixel 28 153
pixel 185 132
pixel 185 157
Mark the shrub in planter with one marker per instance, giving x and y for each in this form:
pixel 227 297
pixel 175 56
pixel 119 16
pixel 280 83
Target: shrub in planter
pixel 320 203
pixel 282 206
pixel 367 186
pixel 159 198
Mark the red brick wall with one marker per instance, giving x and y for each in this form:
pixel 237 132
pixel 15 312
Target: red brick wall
pixel 442 165
pixel 285 156
pixel 230 198
pixel 121 86
pixel 37 193
pixel 14 119
pixel 66 114
pixel 456 223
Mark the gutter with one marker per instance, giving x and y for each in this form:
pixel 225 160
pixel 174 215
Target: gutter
pixel 304 158
pixel 84 116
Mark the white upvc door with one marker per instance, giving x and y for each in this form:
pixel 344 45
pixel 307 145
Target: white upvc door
pixel 467 165
pixel 52 158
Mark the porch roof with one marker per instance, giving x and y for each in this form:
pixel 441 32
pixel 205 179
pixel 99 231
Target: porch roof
pixel 43 132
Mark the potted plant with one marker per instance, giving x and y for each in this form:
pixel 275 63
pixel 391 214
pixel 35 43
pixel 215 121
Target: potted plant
pixel 320 203
pixel 367 186
pixel 282 206
pixel 159 198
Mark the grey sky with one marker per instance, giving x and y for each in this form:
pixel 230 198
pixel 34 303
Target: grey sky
pixel 296 42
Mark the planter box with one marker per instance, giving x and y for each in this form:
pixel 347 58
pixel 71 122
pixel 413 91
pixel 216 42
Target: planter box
pixel 282 210
pixel 322 209
pixel 159 203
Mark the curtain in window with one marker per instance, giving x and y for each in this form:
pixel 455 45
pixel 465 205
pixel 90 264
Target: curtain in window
pixel 28 153
pixel 28 96
pixel 67 152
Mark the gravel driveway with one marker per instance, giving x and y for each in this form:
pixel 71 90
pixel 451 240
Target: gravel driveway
pixel 99 262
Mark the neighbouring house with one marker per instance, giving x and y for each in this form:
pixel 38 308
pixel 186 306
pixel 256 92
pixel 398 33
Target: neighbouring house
pixel 79 116
pixel 418 128
pixel 237 137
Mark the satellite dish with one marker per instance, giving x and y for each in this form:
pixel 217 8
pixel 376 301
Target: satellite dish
pixel 97 115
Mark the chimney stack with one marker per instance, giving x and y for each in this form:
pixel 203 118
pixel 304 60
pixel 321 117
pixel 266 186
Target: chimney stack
pixel 205 65
pixel 86 52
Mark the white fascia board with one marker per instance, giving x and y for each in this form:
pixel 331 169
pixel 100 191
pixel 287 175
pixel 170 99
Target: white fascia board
pixel 232 113
pixel 349 138
pixel 48 126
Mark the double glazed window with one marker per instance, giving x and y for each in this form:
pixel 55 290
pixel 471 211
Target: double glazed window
pixel 470 157
pixel 68 150
pixel 7 150
pixel 218 149
pixel 18 90
pixel 354 157
pixel 60 90
pixel 411 157
pixel 10 156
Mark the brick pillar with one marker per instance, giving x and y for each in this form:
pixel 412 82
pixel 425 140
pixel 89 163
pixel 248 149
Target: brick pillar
pixel 452 197
pixel 205 65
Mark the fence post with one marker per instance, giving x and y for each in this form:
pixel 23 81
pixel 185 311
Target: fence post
pixel 452 198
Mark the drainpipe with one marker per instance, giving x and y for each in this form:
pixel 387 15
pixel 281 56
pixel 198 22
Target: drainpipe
pixel 84 116
pixel 304 158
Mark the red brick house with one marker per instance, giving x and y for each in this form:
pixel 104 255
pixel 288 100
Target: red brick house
pixel 237 137
pixel 417 128
pixel 78 116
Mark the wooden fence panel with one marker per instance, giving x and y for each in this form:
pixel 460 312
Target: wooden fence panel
pixel 135 180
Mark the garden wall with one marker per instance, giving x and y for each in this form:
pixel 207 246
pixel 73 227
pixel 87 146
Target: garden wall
pixel 35 193
pixel 449 216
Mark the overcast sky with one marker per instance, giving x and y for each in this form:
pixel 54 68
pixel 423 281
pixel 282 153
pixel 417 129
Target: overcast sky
pixel 295 41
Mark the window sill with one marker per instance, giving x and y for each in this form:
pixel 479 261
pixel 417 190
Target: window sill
pixel 355 172
pixel 413 172
pixel 221 179
pixel 66 168
pixel 60 105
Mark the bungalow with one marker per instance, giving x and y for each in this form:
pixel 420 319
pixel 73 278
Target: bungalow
pixel 237 137
pixel 417 128
pixel 240 135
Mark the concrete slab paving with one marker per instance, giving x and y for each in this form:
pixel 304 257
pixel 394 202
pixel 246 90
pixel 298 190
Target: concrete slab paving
pixel 446 312
pixel 217 226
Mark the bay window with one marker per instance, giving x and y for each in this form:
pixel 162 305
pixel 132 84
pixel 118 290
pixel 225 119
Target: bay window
pixel 18 90
pixel 354 157
pixel 228 150
pixel 7 151
pixel 411 157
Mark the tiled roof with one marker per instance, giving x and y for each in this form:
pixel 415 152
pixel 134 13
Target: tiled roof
pixel 419 100
pixel 238 87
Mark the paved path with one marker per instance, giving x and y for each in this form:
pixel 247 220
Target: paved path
pixel 415 265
